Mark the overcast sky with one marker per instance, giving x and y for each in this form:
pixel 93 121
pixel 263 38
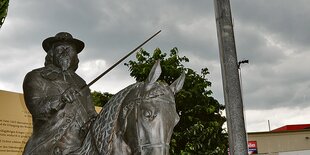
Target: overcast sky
pixel 273 35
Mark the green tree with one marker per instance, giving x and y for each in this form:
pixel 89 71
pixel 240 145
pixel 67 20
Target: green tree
pixel 100 99
pixel 200 130
pixel 4 5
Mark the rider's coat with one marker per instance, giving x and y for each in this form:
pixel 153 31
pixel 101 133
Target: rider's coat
pixel 56 125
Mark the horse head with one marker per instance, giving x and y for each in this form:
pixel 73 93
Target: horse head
pixel 137 120
pixel 148 116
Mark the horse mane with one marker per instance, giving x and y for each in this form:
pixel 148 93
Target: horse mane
pixel 104 126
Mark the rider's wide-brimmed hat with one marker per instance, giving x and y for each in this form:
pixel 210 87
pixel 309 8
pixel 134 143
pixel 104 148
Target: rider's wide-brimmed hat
pixel 63 37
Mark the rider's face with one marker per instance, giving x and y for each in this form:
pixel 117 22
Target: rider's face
pixel 64 56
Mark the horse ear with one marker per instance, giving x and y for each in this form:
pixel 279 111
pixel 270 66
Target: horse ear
pixel 155 73
pixel 177 85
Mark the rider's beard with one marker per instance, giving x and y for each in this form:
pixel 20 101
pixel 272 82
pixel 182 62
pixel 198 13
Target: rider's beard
pixel 64 62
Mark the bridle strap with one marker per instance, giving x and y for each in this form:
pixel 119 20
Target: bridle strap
pixel 155 145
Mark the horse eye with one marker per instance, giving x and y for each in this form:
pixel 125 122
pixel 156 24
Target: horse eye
pixel 147 113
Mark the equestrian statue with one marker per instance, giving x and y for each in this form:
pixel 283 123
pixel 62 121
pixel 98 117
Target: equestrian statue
pixel 138 120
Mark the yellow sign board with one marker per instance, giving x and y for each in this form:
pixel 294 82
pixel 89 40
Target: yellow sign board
pixel 15 123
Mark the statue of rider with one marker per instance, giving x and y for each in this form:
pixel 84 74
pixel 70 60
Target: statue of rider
pixel 61 111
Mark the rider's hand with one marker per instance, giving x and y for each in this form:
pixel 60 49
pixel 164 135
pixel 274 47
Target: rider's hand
pixel 69 95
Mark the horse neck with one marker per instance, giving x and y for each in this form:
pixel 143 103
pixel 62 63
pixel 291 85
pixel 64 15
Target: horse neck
pixel 103 129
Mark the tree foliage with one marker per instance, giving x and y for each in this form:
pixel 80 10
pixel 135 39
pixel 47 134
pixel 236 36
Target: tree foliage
pixel 4 4
pixel 100 99
pixel 200 128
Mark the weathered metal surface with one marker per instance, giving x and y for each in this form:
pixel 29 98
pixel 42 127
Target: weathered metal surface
pixel 137 120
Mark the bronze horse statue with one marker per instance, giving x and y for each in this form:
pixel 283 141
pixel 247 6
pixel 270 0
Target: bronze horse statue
pixel 138 120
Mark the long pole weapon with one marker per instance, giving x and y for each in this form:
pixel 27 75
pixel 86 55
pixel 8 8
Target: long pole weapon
pixel 119 61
